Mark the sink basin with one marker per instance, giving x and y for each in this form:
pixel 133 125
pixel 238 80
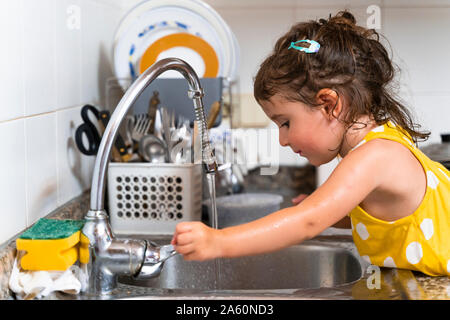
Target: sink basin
pixel 304 266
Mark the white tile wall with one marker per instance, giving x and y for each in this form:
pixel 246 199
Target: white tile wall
pixel 99 22
pixel 11 85
pixel 416 3
pixel 256 35
pixel 41 178
pixel 307 4
pixel 421 42
pixel 12 179
pixel 49 69
pixel 39 48
pixel 412 28
pixel 68 25
pixel 74 170
pixel 433 113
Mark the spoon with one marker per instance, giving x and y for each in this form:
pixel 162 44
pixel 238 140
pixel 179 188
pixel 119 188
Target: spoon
pixel 152 149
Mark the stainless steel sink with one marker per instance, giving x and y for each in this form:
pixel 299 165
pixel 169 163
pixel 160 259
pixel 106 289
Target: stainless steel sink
pixel 304 266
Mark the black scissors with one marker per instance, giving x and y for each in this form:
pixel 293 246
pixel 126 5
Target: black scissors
pixel 89 130
pixel 93 136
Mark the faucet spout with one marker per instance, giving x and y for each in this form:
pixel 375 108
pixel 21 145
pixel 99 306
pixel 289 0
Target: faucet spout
pixel 104 152
pixel 109 257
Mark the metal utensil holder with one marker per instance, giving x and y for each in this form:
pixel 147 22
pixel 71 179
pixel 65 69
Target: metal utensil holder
pixel 151 198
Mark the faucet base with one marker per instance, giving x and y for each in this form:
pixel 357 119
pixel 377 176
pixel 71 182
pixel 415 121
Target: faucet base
pixel 108 257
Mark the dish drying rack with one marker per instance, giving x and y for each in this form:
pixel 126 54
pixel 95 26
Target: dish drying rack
pixel 151 198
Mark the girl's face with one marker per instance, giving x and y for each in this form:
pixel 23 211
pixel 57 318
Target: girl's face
pixel 310 132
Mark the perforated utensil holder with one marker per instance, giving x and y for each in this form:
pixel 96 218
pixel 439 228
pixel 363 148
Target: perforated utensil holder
pixel 151 198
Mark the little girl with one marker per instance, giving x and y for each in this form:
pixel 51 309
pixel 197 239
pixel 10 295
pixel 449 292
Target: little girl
pixel 326 86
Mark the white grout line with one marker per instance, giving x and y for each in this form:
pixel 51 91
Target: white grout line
pixel 27 204
pixel 57 54
pixel 42 113
pixel 22 37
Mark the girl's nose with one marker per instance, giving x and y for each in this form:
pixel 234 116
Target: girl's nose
pixel 283 138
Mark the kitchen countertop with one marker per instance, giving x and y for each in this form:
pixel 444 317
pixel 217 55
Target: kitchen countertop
pixel 75 209
pixel 396 284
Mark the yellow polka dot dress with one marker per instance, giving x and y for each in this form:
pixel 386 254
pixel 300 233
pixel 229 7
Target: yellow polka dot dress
pixel 420 241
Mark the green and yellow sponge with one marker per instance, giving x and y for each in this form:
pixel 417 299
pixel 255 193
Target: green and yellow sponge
pixel 50 244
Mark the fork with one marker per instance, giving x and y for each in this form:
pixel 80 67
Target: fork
pixel 138 126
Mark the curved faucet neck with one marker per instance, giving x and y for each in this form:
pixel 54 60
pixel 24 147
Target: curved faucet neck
pixel 195 92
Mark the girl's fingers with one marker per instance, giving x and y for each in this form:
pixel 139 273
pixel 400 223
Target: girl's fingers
pixel 180 228
pixel 183 227
pixel 185 249
pixel 184 238
pixel 190 240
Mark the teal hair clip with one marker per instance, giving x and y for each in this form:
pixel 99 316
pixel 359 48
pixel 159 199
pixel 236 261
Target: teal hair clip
pixel 314 46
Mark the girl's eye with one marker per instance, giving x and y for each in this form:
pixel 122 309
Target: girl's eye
pixel 285 124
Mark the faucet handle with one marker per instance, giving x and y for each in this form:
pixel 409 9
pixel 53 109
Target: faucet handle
pixel 154 258
pixel 166 252
pixel 158 253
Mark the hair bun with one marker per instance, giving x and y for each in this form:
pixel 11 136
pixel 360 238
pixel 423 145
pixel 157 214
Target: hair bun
pixel 344 18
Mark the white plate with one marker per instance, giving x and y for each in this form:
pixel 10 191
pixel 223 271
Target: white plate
pixel 141 36
pixel 154 19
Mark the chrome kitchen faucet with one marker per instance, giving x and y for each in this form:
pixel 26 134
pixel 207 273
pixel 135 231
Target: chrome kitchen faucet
pixel 110 257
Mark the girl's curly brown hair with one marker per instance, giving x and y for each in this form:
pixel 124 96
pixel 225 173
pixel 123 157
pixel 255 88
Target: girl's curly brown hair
pixel 351 61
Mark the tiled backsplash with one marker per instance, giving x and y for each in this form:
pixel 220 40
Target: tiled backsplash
pixel 56 56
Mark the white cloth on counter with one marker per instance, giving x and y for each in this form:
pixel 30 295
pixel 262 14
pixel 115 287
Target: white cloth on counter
pixel 38 284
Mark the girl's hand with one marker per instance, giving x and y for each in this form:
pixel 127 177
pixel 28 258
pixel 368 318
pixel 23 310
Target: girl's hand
pixel 196 241
pixel 299 198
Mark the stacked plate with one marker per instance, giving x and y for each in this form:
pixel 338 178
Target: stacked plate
pixel 187 29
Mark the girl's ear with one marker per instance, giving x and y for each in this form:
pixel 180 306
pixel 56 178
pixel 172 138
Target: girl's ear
pixel 331 104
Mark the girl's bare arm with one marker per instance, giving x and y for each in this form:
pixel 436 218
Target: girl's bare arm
pixel 344 223
pixel 357 175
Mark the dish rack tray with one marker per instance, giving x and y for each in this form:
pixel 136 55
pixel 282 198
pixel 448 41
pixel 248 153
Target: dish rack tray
pixel 150 198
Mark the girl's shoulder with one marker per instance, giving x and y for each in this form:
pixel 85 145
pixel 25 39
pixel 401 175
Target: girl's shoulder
pixel 388 147
pixel 401 178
